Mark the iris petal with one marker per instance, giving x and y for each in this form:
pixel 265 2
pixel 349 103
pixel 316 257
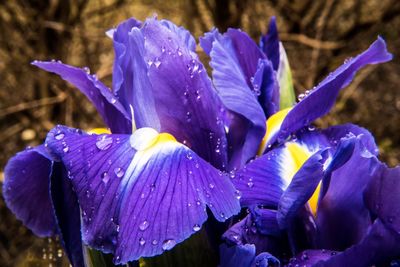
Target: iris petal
pixel 344 199
pixel 382 195
pixel 169 75
pixel 141 201
pixel 269 43
pixel 378 247
pixel 322 98
pixel 67 212
pixel 266 84
pixel 110 109
pixel 301 188
pixel 27 178
pixel 335 133
pixel 233 66
pixel 122 69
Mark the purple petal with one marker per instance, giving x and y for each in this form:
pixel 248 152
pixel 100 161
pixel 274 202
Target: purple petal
pixel 237 255
pixel 245 256
pixel 261 181
pixel 184 35
pixel 265 220
pixel 270 43
pixel 322 98
pixel 310 257
pixel 378 248
pixel 301 188
pixel 335 133
pixel 382 196
pixel 246 51
pixel 265 81
pixel 342 208
pixel 186 103
pixel 67 212
pixel 110 109
pixel 26 190
pixel 233 67
pixel 122 69
pixel 125 186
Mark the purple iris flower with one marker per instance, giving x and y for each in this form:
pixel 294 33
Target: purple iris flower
pixel 147 186
pixel 314 197
pixel 181 143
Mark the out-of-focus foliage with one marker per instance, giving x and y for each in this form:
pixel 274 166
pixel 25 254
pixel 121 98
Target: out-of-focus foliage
pixel 318 35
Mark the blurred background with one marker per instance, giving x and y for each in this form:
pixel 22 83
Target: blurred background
pixel 318 36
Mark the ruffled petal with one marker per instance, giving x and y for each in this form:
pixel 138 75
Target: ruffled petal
pixel 122 69
pixel 127 183
pixel 184 35
pixel 110 109
pixel 233 67
pixel 26 190
pixel 335 133
pixel 322 98
pixel 174 77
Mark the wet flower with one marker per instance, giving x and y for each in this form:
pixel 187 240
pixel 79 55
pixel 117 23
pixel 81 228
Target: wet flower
pixel 181 143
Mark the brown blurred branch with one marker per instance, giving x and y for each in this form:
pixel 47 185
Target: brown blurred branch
pixel 33 104
pixel 311 42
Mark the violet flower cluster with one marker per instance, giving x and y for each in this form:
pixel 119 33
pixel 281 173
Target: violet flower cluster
pixel 184 148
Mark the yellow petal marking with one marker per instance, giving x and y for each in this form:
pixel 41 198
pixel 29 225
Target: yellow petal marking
pixel 160 139
pixel 300 155
pixel 99 131
pixel 313 201
pixel 273 125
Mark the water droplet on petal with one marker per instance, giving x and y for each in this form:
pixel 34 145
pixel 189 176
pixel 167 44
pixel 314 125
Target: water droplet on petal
pixel 168 244
pixel 86 69
pixel 105 177
pixel 119 172
pixel 301 97
pixel 104 142
pixel 59 136
pixel 113 100
pixel 211 186
pixel 157 62
pixel 144 225
pixel 154 242
pixel 196 228
pixel 189 156
pixel 66 149
pixel 250 184
pixel 142 241
pixel 188 116
pixel 311 128
pixel 238 194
